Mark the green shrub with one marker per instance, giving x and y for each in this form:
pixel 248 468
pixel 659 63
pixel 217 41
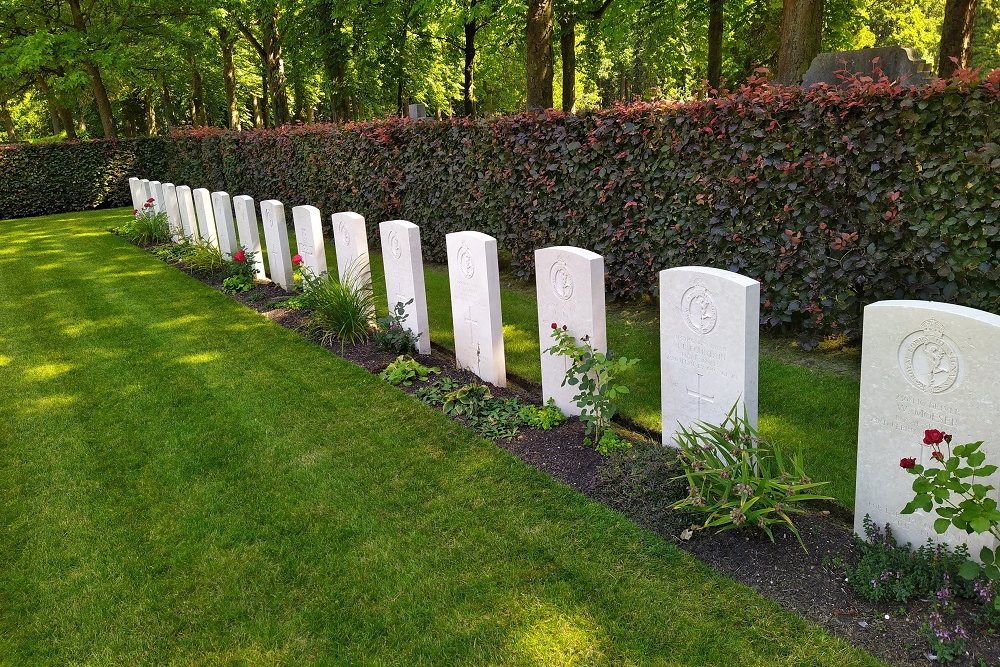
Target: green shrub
pixel 240 273
pixel 341 310
pixel 405 371
pixel 202 258
pixel 435 392
pixel 467 400
pixel 145 227
pixel 735 479
pixel 390 334
pixel 542 417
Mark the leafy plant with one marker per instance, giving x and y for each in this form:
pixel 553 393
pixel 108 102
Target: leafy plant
pixel 435 392
pixel 339 309
pixel 951 490
pixel 542 417
pixel 735 479
pixel 597 377
pixel 889 572
pixel 466 400
pixel 240 274
pixel 498 418
pixel 391 335
pixel 406 370
pixel 203 258
pixel 146 226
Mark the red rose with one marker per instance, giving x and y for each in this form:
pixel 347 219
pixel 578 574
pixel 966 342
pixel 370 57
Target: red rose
pixel 296 260
pixel 555 326
pixel 947 438
pixel 146 205
pixel 932 436
pixel 938 455
pixel 565 328
pixel 134 212
pixel 150 200
pixel 239 256
pixel 907 463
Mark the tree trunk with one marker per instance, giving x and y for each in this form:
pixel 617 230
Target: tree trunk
pixel 275 68
pixel 150 109
pixel 715 18
pixel 956 36
pixel 8 122
pixel 66 119
pixel 258 114
pixel 801 35
pixel 567 52
pixel 538 37
pixel 96 80
pixel 199 118
pixel 226 42
pixel 468 103
pixel 168 104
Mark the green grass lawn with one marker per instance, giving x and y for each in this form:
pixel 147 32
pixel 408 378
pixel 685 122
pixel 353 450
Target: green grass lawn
pixel 183 481
pixel 806 400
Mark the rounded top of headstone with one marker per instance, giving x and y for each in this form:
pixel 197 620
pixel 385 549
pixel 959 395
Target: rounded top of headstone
pixel 933 307
pixel 243 198
pixel 470 236
pixel 347 216
pixel 731 276
pixel 589 255
pixel 307 209
pixel 405 224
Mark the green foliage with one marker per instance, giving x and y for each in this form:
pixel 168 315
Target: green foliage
pixel 597 377
pixel 735 479
pixel 239 271
pixel 202 257
pixel 467 400
pixel 888 572
pixel 237 284
pixel 405 371
pixel 338 309
pixel 434 393
pixel 390 334
pixel 145 227
pixel 542 417
pixel 950 489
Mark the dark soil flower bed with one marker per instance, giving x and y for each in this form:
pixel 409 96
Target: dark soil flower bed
pixel 642 483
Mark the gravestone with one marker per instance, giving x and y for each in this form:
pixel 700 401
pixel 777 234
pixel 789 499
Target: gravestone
pixel 896 62
pixel 185 205
pixel 135 189
pixel 417 111
pixel 146 192
pixel 157 189
pixel 309 239
pixel 569 284
pixel 173 212
pixel 206 216
pixel 246 225
pixel 709 344
pixel 279 260
pixel 403 263
pixel 222 209
pixel 924 365
pixel 474 278
pixel 350 238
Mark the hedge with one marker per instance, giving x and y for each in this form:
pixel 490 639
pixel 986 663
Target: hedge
pixel 832 197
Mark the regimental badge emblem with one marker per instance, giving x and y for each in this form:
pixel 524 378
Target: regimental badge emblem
pixel 698 309
pixel 929 359
pixel 394 246
pixel 561 279
pixel 345 234
pixel 465 263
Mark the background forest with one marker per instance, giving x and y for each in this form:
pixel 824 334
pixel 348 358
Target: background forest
pixel 93 68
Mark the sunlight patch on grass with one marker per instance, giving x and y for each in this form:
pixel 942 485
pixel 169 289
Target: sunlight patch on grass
pixel 5 360
pixel 199 358
pixel 555 637
pixel 46 371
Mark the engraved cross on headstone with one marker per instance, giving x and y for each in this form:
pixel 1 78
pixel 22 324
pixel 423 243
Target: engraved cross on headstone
pixel 697 393
pixel 472 334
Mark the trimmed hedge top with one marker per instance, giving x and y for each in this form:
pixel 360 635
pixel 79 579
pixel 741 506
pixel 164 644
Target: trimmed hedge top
pixel 832 197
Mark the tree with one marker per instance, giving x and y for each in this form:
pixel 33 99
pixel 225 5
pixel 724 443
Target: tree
pixel 538 36
pixel 715 33
pixel 801 37
pixel 956 36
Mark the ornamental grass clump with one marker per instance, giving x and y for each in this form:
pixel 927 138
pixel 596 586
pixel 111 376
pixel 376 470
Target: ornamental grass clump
pixel 342 309
pixel 736 480
pixel 146 226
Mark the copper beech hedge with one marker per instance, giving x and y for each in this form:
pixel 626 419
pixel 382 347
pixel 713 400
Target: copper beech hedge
pixel 832 198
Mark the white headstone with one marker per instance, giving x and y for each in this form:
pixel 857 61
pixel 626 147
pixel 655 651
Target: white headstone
pixel 309 239
pixel 157 189
pixel 474 277
pixel 404 277
pixel 145 192
pixel 185 204
pixel 569 283
pixel 206 216
pixel 923 366
pixel 222 209
pixel 279 260
pixel 173 212
pixel 350 238
pixel 246 224
pixel 135 189
pixel 709 346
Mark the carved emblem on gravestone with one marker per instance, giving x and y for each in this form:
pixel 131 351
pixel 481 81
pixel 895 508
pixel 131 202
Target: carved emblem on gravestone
pixel 465 263
pixel 345 233
pixel 561 279
pixel 929 359
pixel 698 308
pixel 394 246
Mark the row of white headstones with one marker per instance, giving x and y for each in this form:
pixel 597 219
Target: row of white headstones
pixel 924 364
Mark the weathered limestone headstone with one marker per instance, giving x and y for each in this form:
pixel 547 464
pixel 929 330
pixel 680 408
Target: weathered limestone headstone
pixel 185 204
pixel 924 365
pixel 157 189
pixel 474 277
pixel 135 189
pixel 246 224
pixel 206 216
pixel 279 260
pixel 350 238
pixel 709 346
pixel 404 277
pixel 417 111
pixel 309 239
pixel 222 209
pixel 896 62
pixel 173 212
pixel 569 283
